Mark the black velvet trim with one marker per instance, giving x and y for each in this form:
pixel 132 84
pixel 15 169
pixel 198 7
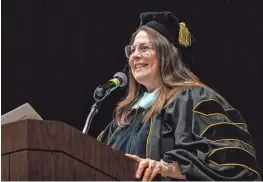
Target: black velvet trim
pixel 227 131
pixel 160 28
pixel 236 173
pixel 212 106
pixel 234 115
pixel 209 107
pixel 234 156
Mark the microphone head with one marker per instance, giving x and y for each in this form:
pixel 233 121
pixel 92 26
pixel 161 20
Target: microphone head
pixel 122 78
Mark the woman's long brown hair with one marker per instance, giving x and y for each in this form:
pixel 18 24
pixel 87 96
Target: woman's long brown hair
pixel 174 76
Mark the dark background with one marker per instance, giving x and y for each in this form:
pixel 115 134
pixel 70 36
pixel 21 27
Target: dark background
pixel 55 53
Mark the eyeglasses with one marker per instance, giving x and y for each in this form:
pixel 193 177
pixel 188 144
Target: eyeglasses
pixel 143 49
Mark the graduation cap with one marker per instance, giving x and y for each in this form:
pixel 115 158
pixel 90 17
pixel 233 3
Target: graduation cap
pixel 174 31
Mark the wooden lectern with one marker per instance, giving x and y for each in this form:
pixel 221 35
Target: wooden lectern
pixel 51 150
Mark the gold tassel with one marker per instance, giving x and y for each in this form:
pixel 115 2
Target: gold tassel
pixel 184 35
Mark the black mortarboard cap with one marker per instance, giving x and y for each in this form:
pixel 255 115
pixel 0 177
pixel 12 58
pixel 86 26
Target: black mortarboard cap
pixel 169 26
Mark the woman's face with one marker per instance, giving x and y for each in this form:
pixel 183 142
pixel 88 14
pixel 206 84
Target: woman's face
pixel 144 63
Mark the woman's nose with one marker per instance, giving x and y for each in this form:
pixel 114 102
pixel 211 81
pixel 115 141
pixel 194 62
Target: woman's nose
pixel 137 53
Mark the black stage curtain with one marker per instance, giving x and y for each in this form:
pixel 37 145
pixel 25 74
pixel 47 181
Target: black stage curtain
pixel 55 53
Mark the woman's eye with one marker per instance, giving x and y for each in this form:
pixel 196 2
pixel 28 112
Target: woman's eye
pixel 144 47
pixel 132 49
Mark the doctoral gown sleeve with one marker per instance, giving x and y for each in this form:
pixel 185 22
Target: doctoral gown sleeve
pixel 211 140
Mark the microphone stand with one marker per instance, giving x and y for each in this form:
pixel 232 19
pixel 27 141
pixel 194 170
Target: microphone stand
pixel 99 95
pixel 94 110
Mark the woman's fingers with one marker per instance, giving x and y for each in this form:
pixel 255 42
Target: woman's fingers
pixel 150 168
pixel 143 164
pixel 147 174
pixel 156 170
pixel 135 157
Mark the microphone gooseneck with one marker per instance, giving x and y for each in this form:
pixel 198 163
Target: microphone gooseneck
pixel 101 92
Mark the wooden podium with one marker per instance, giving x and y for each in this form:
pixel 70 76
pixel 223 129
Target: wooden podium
pixel 51 150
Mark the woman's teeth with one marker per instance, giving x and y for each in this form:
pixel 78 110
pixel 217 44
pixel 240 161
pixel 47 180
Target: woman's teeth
pixel 140 66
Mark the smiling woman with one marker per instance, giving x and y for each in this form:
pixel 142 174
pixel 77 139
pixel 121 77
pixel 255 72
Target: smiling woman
pixel 170 122
pixel 143 62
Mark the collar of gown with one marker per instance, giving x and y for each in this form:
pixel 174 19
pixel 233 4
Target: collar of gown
pixel 147 100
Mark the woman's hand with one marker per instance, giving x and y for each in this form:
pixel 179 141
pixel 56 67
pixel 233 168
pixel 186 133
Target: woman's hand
pixel 152 168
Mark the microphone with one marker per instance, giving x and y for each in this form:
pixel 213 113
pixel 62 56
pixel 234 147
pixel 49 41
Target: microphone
pixel 119 80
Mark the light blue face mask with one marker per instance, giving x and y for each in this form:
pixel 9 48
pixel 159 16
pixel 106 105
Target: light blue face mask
pixel 147 100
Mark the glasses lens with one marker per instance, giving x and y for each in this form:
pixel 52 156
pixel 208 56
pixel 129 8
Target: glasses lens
pixel 143 48
pixel 128 51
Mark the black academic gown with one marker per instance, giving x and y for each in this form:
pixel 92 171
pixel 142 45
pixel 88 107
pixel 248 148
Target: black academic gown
pixel 198 129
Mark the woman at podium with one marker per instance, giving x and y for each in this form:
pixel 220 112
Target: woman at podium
pixel 175 126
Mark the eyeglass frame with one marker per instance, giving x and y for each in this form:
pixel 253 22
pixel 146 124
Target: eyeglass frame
pixel 139 48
